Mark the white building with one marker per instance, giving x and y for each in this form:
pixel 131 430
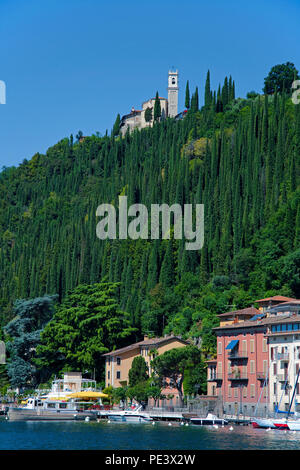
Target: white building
pixel 169 108
pixel 284 355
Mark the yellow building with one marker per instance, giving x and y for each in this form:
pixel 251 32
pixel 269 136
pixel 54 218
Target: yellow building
pixel 118 362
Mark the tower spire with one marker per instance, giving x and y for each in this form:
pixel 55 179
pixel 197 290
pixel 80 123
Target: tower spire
pixel 173 93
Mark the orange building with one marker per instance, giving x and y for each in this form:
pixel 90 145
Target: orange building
pixel 119 362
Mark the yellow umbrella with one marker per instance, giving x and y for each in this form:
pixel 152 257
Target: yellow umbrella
pixel 88 395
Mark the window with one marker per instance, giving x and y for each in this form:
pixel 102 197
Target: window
pixel 108 375
pixel 118 374
pixel 252 345
pixel 62 405
pixel 264 345
pixel 118 361
pixel 252 367
pixel 252 390
pixel 219 347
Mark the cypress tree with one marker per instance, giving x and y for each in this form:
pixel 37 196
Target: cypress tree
pixel 187 96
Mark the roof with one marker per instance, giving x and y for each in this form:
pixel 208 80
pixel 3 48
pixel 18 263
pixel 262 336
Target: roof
pixel 244 311
pixel 276 298
pixel 291 302
pixel 261 322
pixel 146 342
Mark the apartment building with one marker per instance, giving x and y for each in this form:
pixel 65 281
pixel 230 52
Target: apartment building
pixel 119 362
pixel 258 357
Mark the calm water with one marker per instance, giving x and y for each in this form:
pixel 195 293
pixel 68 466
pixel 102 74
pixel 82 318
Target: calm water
pixel 99 436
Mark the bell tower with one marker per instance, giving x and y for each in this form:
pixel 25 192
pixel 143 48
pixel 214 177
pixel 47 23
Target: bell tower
pixel 173 93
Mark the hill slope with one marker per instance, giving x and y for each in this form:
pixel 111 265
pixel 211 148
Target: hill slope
pixel 241 160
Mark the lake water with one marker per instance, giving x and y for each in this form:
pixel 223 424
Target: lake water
pixel 104 436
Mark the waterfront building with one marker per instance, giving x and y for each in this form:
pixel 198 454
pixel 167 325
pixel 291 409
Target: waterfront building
pixel 119 362
pixel 258 357
pixel 284 354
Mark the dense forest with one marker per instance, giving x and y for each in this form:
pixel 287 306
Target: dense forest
pixel 240 157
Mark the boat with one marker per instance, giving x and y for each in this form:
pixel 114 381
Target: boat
pixel 135 414
pixel 209 420
pixel 49 410
pixel 283 423
pixel 267 423
pixel 66 400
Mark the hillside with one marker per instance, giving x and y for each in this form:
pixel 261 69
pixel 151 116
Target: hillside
pixel 238 157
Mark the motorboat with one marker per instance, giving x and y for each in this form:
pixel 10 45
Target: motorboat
pixel 209 420
pixel 135 414
pixel 37 409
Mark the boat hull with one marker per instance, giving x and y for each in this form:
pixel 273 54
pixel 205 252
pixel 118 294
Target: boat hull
pixel 268 423
pixel 130 418
pixel 207 422
pixel 17 414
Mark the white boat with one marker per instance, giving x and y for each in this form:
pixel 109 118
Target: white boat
pixel 65 401
pixel 49 410
pixel 131 415
pixel 209 420
pixel 265 423
pixel 293 425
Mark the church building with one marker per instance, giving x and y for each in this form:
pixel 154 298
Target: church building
pixel 137 119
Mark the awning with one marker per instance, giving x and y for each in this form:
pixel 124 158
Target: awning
pixel 232 344
pixel 88 395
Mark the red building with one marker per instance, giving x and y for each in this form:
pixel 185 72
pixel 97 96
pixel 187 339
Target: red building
pixel 238 375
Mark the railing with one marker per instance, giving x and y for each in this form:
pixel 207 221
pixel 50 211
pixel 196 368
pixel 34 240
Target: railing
pixel 237 376
pixel 261 375
pixel 215 377
pixel 282 356
pixel 282 378
pixel 237 355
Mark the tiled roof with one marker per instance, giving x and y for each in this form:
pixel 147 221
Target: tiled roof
pixel 146 342
pixel 263 322
pixel 278 298
pixel 244 311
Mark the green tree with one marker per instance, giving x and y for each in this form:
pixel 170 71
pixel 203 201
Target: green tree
pixel 173 363
pixel 138 371
pixel 148 115
pixel 157 108
pixel 87 324
pixel 280 78
pixel 187 96
pixel 116 127
pixel 24 333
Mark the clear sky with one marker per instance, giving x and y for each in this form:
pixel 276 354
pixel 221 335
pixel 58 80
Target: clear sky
pixel 72 65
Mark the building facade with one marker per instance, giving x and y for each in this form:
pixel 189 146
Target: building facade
pixel 169 108
pixel 173 93
pixel 258 358
pixel 118 363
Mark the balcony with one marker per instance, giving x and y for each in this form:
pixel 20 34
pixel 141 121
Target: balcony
pixel 281 378
pixel 215 377
pixel 261 375
pixel 237 376
pixel 282 357
pixel 237 355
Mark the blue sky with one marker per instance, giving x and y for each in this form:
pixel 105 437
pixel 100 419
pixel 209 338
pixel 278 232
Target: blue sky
pixel 72 65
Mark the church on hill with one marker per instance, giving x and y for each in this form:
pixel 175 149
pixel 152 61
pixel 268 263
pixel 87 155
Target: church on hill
pixel 140 118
